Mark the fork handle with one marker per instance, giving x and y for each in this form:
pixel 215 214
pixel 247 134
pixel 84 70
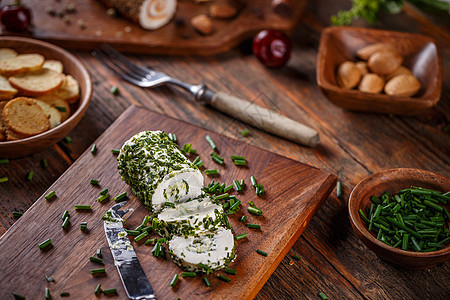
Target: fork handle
pixel 265 119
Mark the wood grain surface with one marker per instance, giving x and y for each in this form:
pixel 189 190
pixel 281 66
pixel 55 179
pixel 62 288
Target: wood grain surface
pixel 353 145
pixel 293 192
pixel 178 37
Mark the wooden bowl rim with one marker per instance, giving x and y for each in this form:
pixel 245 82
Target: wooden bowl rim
pixel 380 98
pixel 83 102
pixel 359 226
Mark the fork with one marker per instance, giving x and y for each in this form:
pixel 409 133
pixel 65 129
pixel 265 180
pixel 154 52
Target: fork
pixel 245 111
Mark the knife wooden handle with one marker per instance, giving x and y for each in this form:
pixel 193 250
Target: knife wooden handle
pixel 265 119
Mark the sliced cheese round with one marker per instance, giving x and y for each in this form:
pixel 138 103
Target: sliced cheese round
pixel 214 249
pixel 154 14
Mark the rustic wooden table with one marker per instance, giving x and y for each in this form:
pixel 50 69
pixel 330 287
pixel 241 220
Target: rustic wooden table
pixel 353 145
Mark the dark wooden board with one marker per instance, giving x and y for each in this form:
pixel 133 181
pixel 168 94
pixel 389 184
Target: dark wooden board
pixel 100 28
pixel 294 192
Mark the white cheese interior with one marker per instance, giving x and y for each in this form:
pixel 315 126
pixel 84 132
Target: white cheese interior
pixel 156 13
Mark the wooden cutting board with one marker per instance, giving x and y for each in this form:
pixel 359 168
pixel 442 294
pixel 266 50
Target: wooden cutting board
pixel 294 192
pixel 178 37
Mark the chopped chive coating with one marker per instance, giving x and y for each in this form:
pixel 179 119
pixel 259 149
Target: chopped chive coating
pixel 110 291
pixel 188 274
pixel 211 142
pixel 49 278
pixel 64 294
pixel 99 253
pixel 18 296
pixel 186 148
pixel 115 151
pixel 173 137
pixel 211 172
pixel 230 271
pixel 30 175
pixel 17 214
pixel 104 192
pixel 261 252
pixel 65 215
pixel 3 179
pixel 244 132
pixel 4 161
pixel 68 140
pixel 98 271
pixel 121 197
pixel 50 195
pixel 196 160
pixel 61 108
pixel 47 294
pixel 114 90
pixel 65 222
pixel 254 211
pixel 224 278
pixel 45 244
pixel 96 259
pixel 254 226
pixel 174 280
pixel 82 207
pixel 83 226
pixel 44 163
pixel 240 236
pixel 205 279
pixel 94 149
pixel 323 296
pixel 296 257
pixel 98 289
pixel 338 189
pixel 94 182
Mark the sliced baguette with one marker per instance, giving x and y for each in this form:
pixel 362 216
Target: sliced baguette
pixel 7 92
pixel 21 63
pixel 37 83
pixel 69 90
pixel 7 53
pixel 2 122
pixel 54 65
pixel 60 104
pixel 25 117
pixel 53 114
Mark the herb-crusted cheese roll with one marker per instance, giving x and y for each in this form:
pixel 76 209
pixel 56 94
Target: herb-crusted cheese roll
pixel 190 217
pixel 157 171
pixel 214 249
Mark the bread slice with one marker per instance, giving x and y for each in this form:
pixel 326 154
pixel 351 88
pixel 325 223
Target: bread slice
pixel 37 83
pixel 69 90
pixel 60 104
pixel 7 92
pixel 2 121
pixel 25 117
pixel 7 53
pixel 53 114
pixel 54 65
pixel 13 136
pixel 21 63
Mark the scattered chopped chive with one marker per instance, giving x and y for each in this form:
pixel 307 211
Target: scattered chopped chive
pixel 222 196
pixel 211 172
pixel 4 161
pixel 141 236
pixel 104 192
pixel 99 253
pixel 50 195
pixel 65 215
pixel 94 149
pixel 65 222
pixel 196 160
pixel 49 278
pixel 211 142
pixel 227 188
pixel 68 140
pixel 446 127
pixel 150 241
pixel 205 279
pixel 296 257
pixel 234 157
pixel 224 278
pixel 103 198
pixel 61 108
pixel 110 291
pixel 132 232
pixel 237 186
pixel 120 197
pixel 254 226
pixel 96 259
pixel 64 294
pixel 242 183
pixel 240 236
pixel 240 162
pixel 115 151
pixel 243 219
pixel 94 182
pixel 254 211
pixel 261 252
pixel 323 296
pixel 83 226
pixel 98 271
pixel 244 132
pixel 171 204
pixel 217 159
pixel 17 214
pixel 3 179
pixel 338 189
pixel 45 244
pixel 174 280
pixel 98 289
pixel 230 271
pixel 114 90
pixel 188 274
pixel 259 189
pixel 82 207
pixel 47 294
pixel 186 148
pixel 18 296
pixel 199 164
pixel 44 164
pixel 147 229
pixel 30 175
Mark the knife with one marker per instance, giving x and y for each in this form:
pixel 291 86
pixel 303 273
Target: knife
pixel 130 270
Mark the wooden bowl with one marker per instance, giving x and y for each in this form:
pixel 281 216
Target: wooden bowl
pixel 393 181
pixel 420 54
pixel 72 66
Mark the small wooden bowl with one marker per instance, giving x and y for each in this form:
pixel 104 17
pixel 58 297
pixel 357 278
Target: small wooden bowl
pixel 420 54
pixel 72 66
pixel 393 181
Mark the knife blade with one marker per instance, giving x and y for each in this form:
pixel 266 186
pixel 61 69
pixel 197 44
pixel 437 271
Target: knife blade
pixel 133 277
